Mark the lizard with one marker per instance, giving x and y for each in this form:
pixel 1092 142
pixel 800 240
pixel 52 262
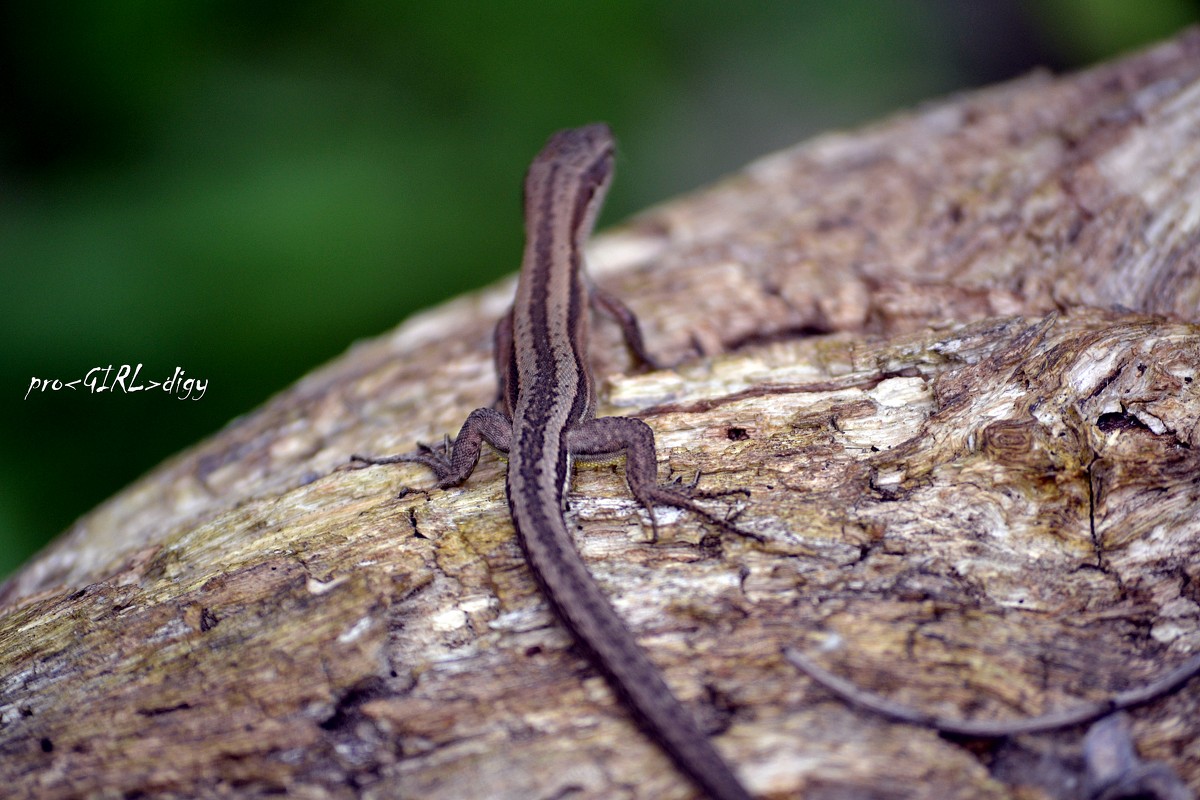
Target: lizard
pixel 544 419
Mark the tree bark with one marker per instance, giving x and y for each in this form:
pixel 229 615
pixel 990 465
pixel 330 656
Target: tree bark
pixel 951 360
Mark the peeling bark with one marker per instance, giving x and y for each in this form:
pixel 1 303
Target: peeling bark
pixel 952 358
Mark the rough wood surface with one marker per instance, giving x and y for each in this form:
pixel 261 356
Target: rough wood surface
pixel 951 357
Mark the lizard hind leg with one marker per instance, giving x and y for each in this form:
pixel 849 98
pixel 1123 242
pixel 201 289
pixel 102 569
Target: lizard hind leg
pixel 453 463
pixel 610 437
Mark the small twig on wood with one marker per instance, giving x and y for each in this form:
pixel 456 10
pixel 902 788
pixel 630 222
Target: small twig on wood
pixel 991 729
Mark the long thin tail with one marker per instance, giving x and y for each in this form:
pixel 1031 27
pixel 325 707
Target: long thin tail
pixel 585 610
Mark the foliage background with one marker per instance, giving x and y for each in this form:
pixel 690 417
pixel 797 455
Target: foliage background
pixel 242 189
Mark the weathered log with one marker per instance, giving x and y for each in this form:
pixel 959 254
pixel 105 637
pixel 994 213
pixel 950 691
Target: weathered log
pixel 952 359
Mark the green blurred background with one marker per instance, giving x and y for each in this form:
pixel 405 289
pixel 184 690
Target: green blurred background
pixel 242 189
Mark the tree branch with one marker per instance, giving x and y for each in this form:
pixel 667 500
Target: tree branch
pixel 952 358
